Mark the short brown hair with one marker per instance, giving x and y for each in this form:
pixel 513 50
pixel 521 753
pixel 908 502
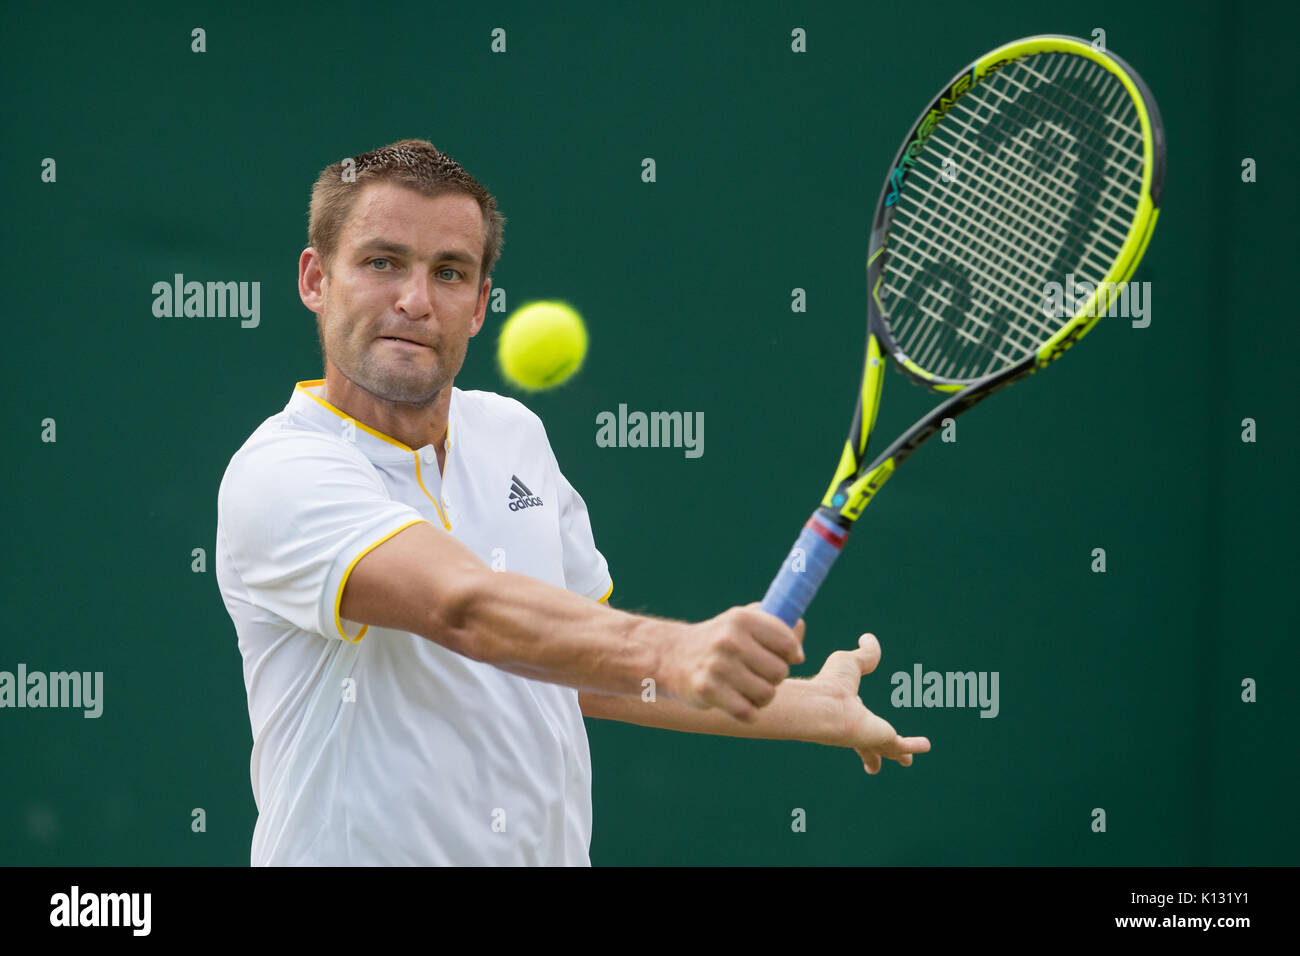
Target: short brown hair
pixel 413 163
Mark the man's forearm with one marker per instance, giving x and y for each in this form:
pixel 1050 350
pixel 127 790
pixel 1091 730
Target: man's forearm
pixel 425 582
pixel 530 628
pixel 800 711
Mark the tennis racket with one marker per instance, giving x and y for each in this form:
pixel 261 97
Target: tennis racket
pixel 1043 159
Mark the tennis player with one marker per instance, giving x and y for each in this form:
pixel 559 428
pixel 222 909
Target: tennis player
pixel 417 594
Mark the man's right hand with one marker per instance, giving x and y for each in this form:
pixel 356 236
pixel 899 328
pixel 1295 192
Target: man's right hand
pixel 733 661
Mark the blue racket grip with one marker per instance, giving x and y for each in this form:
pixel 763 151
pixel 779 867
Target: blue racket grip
pixel 804 570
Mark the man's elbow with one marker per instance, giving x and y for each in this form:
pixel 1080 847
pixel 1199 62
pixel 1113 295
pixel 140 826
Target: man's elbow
pixel 455 614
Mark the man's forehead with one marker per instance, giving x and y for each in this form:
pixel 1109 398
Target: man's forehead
pixel 386 208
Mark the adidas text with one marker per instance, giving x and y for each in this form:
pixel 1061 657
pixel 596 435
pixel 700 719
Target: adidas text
pixel 521 496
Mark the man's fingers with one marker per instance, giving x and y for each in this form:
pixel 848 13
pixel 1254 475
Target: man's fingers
pixel 735 703
pixel 756 689
pixel 734 688
pixel 772 633
pixel 764 663
pixel 900 746
pixel 900 749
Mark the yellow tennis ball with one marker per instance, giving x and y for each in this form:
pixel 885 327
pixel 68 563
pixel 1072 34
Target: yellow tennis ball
pixel 541 345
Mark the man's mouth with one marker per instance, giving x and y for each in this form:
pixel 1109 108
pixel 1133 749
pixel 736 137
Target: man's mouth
pixel 393 338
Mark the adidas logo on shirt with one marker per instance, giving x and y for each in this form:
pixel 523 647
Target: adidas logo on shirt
pixel 521 497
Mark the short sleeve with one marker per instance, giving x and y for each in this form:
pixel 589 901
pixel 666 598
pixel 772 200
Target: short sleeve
pixel 296 513
pixel 585 569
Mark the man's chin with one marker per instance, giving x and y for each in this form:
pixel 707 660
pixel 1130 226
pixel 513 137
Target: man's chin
pixel 406 394
pixel 401 390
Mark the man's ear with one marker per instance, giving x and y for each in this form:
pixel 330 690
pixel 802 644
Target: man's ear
pixel 480 314
pixel 311 278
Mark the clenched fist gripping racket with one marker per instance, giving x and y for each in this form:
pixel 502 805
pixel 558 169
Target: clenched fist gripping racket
pixel 1042 159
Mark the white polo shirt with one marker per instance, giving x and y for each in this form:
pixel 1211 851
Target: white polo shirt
pixel 376 746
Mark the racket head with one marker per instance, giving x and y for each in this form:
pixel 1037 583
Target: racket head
pixel 1063 153
pixel 1056 156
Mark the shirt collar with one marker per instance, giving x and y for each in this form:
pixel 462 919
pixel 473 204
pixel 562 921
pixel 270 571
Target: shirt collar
pixel 308 401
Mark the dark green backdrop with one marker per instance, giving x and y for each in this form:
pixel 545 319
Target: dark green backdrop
pixel 1119 691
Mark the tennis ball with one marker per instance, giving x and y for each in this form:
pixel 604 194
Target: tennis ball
pixel 541 345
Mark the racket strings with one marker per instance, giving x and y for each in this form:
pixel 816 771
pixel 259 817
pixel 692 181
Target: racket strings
pixel 1048 171
pixel 1043 222
pixel 982 202
pixel 1102 118
pixel 1014 191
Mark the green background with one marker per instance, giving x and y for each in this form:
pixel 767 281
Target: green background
pixel 1119 690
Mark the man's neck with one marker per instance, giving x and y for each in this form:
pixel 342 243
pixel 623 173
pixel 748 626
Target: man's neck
pixel 413 425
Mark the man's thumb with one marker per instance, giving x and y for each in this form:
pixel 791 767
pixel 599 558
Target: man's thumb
pixel 867 655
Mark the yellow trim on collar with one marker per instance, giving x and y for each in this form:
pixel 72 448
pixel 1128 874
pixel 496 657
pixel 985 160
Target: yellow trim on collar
pixel 303 386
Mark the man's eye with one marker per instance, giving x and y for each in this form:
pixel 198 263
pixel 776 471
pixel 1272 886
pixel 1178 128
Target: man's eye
pixel 386 262
pixel 454 272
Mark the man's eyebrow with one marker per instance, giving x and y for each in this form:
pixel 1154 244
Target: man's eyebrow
pixel 400 249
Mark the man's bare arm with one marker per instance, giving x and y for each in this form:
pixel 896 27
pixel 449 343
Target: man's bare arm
pixel 424 581
pixel 797 712
pixel 825 709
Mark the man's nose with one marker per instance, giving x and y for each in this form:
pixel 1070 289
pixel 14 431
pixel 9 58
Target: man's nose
pixel 415 299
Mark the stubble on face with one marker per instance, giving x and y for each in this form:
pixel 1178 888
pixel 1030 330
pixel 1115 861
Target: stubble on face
pixel 364 304
pixel 395 381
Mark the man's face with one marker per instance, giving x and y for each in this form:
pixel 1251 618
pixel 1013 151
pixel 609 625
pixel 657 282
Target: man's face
pixel 403 298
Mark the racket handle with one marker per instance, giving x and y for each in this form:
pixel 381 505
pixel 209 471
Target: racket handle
pixel 804 570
